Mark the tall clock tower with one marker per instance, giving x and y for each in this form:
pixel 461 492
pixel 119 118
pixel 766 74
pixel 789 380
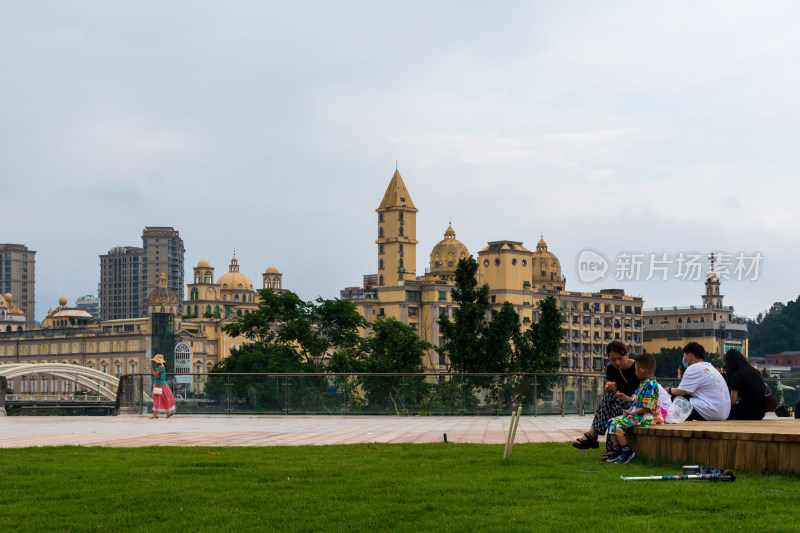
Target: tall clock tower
pixel 397 235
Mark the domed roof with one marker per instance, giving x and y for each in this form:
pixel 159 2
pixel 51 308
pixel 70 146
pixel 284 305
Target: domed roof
pixel 203 264
pixel 447 252
pixel 7 301
pixel 234 280
pixel 62 301
pixel 162 294
pixel 541 249
pixel 272 270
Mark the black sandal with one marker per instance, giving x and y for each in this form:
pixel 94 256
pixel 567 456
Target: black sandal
pixel 585 444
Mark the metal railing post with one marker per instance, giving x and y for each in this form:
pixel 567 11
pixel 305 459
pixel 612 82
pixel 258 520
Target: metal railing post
pixel 141 394
pixel 563 393
pixel 535 396
pixel 286 396
pixel 229 395
pixel 580 396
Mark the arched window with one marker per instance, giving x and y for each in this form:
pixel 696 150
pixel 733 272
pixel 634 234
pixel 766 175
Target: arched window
pixel 380 280
pixel 650 321
pixel 380 232
pixel 208 308
pixel 183 358
pixel 268 284
pixel 235 297
pixel 680 320
pixel 118 369
pixel 400 232
pixel 133 367
pixel 702 319
pixel 216 310
pixel 380 264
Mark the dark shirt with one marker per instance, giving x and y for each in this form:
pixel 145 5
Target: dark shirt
pixel 626 385
pixel 750 389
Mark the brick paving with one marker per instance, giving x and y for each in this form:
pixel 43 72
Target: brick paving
pixel 221 430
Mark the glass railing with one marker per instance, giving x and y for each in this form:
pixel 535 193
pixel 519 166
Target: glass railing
pixel 368 394
pixel 386 394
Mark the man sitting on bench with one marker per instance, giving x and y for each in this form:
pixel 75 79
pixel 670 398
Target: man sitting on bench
pixel 703 385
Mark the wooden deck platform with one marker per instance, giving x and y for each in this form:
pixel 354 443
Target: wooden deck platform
pixel 745 446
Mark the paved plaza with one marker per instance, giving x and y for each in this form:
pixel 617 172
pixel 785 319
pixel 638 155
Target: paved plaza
pixel 221 430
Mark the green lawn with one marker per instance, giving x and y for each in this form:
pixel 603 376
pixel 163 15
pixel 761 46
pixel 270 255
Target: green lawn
pixel 404 487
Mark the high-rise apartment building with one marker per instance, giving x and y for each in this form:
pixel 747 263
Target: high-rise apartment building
pixel 18 277
pixel 162 251
pixel 89 303
pixel 121 283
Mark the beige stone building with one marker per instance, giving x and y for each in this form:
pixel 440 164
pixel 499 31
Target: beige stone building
pixel 125 346
pixel 12 318
pixel 18 268
pixel 513 274
pixel 711 324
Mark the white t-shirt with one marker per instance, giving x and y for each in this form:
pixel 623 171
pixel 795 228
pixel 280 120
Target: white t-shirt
pixel 709 392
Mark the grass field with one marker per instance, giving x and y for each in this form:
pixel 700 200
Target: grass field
pixel 401 487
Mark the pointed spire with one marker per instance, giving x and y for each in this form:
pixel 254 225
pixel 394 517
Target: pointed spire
pixel 234 262
pixel 396 194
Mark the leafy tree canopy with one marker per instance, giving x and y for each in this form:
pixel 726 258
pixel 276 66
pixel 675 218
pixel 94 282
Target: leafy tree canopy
pixel 312 329
pixel 475 343
pixel 394 347
pixel 776 331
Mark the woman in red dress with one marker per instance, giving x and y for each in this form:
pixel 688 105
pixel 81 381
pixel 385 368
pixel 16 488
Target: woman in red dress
pixel 162 395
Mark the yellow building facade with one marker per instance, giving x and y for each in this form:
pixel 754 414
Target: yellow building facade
pixel 711 324
pixel 513 274
pixel 117 347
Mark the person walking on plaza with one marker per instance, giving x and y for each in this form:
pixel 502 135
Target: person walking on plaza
pixel 747 388
pixel 641 411
pixel 621 383
pixel 703 386
pixel 162 395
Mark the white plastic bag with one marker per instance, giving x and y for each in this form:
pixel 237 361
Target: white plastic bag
pixel 679 411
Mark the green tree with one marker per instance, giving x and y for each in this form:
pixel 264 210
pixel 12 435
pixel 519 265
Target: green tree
pixel 667 362
pixel 540 348
pixel 776 331
pixel 394 347
pixel 314 330
pixel 462 336
pixel 537 351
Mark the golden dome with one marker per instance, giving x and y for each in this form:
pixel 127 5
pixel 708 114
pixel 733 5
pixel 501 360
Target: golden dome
pixel 447 252
pixel 9 297
pixel 203 264
pixel 272 270
pixel 545 266
pixel 62 301
pixel 162 294
pixel 234 280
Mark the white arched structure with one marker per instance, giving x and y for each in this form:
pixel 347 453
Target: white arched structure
pixel 87 377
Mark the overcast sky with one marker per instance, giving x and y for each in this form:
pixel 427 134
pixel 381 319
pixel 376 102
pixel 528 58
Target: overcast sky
pixel 273 128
